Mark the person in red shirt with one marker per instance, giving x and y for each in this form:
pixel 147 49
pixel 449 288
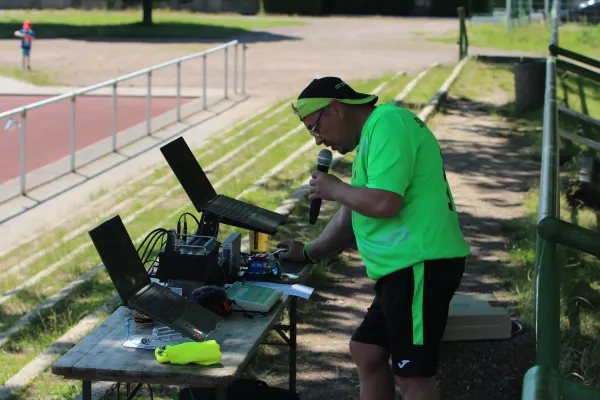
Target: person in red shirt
pixel 27 35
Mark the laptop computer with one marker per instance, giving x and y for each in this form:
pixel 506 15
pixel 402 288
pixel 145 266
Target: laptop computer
pixel 137 291
pixel 204 197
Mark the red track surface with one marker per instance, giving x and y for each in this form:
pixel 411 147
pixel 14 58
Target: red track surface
pixel 48 127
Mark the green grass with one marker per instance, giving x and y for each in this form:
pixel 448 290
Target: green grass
pixel 40 78
pixel 580 273
pixel 532 38
pixel 420 96
pixel 127 24
pixel 580 290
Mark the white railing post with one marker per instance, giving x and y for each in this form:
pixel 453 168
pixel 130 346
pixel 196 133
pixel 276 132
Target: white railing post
pixel 204 102
pixel 225 68
pixel 114 117
pixel 72 134
pixel 23 151
pixel 149 103
pixel 178 91
pixel 244 47
pixel 235 69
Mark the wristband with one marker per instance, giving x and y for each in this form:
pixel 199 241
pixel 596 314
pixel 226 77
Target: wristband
pixel 305 253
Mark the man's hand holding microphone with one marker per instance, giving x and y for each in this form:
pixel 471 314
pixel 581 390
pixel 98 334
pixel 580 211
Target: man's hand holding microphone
pixel 323 186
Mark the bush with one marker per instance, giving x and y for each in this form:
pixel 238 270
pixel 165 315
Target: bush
pixel 300 7
pixel 394 7
pixel 348 7
pixel 449 8
pixel 368 7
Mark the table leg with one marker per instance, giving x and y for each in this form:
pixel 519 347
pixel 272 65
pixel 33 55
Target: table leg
pixel 86 392
pixel 293 326
pixel 221 393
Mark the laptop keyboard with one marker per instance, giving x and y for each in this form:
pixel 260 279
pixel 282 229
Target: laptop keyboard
pixel 167 304
pixel 234 209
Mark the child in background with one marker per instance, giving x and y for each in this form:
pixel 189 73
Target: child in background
pixel 27 35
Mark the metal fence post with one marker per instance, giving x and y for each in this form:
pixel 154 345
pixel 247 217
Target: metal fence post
pixel 72 134
pixel 179 91
pixel 235 69
pixel 547 286
pixel 225 74
pixel 149 103
pixel 204 102
pixel 114 118
pixel 461 35
pixel 244 47
pixel 23 151
pixel 508 14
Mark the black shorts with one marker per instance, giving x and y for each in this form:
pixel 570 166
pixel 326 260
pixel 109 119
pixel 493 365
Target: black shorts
pixel 409 313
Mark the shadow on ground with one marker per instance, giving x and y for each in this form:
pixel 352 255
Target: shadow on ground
pixel 163 32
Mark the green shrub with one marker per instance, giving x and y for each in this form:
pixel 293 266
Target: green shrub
pixel 300 7
pixel 348 7
pixel 394 7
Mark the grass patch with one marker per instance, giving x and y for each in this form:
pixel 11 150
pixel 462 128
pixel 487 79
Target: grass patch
pixel 35 77
pixel 534 37
pixel 579 273
pixel 580 290
pixel 72 24
pixel 420 96
pixel 393 88
pixel 495 94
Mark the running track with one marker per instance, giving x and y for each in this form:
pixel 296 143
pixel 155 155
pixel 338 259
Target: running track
pixel 48 127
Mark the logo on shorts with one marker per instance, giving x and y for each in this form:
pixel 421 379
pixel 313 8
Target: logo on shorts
pixel 403 363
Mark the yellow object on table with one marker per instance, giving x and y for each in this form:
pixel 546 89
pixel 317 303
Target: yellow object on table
pixel 203 353
pixel 258 241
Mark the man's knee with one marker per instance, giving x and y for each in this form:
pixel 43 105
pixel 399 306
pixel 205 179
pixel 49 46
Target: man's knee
pixel 368 356
pixel 417 387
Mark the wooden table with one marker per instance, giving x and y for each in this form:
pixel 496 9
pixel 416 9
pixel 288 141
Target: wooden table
pixel 100 356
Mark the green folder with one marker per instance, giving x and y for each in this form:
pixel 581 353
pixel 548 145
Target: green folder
pixel 253 297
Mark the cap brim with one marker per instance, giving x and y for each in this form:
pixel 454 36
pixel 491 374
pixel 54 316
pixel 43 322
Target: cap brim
pixel 306 106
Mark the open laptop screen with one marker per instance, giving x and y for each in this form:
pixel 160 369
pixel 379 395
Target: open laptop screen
pixel 189 173
pixel 120 258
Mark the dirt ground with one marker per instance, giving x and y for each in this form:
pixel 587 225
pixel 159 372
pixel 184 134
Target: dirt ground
pixel 488 180
pixel 280 60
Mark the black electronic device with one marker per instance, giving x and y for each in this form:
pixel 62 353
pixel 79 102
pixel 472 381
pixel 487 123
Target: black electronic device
pixel 193 258
pixel 138 292
pixel 323 163
pixel 204 197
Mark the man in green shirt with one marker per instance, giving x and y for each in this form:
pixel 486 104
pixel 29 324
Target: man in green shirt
pixel 399 209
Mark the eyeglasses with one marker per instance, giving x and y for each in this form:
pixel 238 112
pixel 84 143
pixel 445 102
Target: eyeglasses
pixel 313 129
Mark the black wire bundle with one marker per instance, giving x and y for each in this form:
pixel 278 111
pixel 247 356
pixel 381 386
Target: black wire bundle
pixel 150 241
pixel 160 234
pixel 185 214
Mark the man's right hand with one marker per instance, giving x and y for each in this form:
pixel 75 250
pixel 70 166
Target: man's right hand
pixel 294 251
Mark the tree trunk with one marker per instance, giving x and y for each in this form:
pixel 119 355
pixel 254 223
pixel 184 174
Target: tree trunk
pixel 147 9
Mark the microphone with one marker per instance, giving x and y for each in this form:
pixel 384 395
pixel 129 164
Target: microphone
pixel 323 163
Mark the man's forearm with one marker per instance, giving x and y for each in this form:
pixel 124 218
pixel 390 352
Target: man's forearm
pixel 336 235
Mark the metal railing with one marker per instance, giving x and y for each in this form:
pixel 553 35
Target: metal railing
pixel 21 112
pixel 544 380
pixel 463 38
